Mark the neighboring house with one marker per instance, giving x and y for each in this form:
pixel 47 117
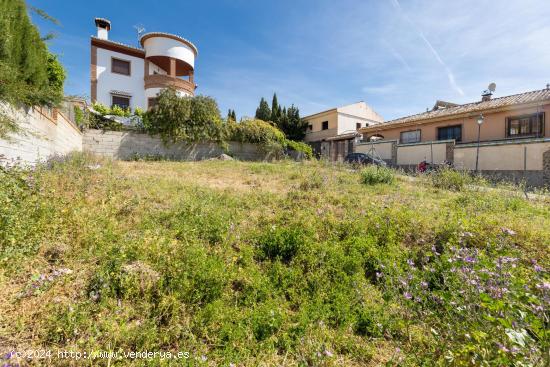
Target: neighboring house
pixel 514 135
pixel 132 77
pixel 512 117
pixel 332 132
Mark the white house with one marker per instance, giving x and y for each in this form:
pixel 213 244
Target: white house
pixel 340 121
pixel 331 133
pixel 132 77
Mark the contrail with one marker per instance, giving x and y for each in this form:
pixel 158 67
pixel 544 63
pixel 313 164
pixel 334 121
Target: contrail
pixel 448 71
pixel 397 55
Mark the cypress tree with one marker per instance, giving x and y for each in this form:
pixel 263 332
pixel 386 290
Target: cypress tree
pixel 263 112
pixel 296 129
pixel 275 109
pixel 234 116
pixel 28 72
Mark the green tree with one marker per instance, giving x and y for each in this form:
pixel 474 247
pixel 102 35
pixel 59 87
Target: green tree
pixel 275 110
pixel 25 63
pixel 231 115
pixel 178 118
pixel 295 127
pixel 263 112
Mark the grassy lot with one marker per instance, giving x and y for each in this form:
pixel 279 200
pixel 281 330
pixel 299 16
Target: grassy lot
pixel 261 264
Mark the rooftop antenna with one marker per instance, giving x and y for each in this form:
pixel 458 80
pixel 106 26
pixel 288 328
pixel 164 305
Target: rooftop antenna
pixel 140 30
pixel 492 87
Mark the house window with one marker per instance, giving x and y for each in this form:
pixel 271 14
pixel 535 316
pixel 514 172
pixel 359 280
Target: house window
pixel 310 127
pixel 450 132
pixel 410 137
pixel 325 125
pixel 151 102
pixel 120 101
pixel 527 125
pixel 357 125
pixel 119 66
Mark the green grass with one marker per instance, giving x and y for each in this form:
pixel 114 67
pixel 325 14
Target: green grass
pixel 264 264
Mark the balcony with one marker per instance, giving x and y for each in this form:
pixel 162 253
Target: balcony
pixel 165 81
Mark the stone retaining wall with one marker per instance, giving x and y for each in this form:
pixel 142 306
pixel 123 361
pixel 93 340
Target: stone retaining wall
pixel 127 145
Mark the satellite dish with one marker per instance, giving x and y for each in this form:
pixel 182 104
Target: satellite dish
pixel 492 87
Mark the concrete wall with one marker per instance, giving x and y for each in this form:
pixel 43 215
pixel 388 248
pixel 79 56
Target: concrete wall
pixel 413 154
pixel 126 145
pixel 502 156
pixel 45 132
pixel 513 160
pixel 384 149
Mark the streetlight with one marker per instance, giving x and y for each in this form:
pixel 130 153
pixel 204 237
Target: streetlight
pixel 479 122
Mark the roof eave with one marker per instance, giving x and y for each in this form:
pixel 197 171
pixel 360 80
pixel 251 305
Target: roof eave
pixel 389 126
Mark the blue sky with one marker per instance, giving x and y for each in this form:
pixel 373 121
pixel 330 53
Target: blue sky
pixel 399 56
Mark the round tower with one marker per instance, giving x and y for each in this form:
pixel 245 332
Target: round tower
pixel 169 62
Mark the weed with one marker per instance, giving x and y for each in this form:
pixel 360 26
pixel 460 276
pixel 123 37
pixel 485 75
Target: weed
pixel 372 175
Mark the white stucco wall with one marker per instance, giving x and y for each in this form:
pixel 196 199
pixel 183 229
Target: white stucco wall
pixel 383 149
pixel 348 123
pixel 415 153
pixel 163 46
pixel 107 81
pixel 156 69
pixel 506 157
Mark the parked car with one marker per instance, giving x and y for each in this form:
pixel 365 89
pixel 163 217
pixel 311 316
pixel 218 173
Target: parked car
pixel 363 158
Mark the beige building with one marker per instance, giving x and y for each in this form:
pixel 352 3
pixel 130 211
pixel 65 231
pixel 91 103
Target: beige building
pixel 332 132
pixel 517 116
pixel 514 136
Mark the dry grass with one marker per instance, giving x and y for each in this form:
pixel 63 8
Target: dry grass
pixel 153 212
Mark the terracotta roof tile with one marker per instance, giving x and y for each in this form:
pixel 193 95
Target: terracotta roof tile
pixel 515 99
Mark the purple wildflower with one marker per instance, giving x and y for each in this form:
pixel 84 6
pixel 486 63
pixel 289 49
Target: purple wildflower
pixel 407 295
pixel 508 231
pixel 503 348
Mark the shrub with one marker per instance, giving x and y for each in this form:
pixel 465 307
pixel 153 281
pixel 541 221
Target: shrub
pixel 271 139
pixel 266 320
pixel 372 175
pixel 450 179
pixel 300 147
pixel 255 131
pixel 178 118
pixel 280 244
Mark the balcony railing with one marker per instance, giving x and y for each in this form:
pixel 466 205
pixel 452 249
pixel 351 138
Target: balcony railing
pixel 165 81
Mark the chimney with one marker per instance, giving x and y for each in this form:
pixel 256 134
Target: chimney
pixel 103 28
pixel 486 96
